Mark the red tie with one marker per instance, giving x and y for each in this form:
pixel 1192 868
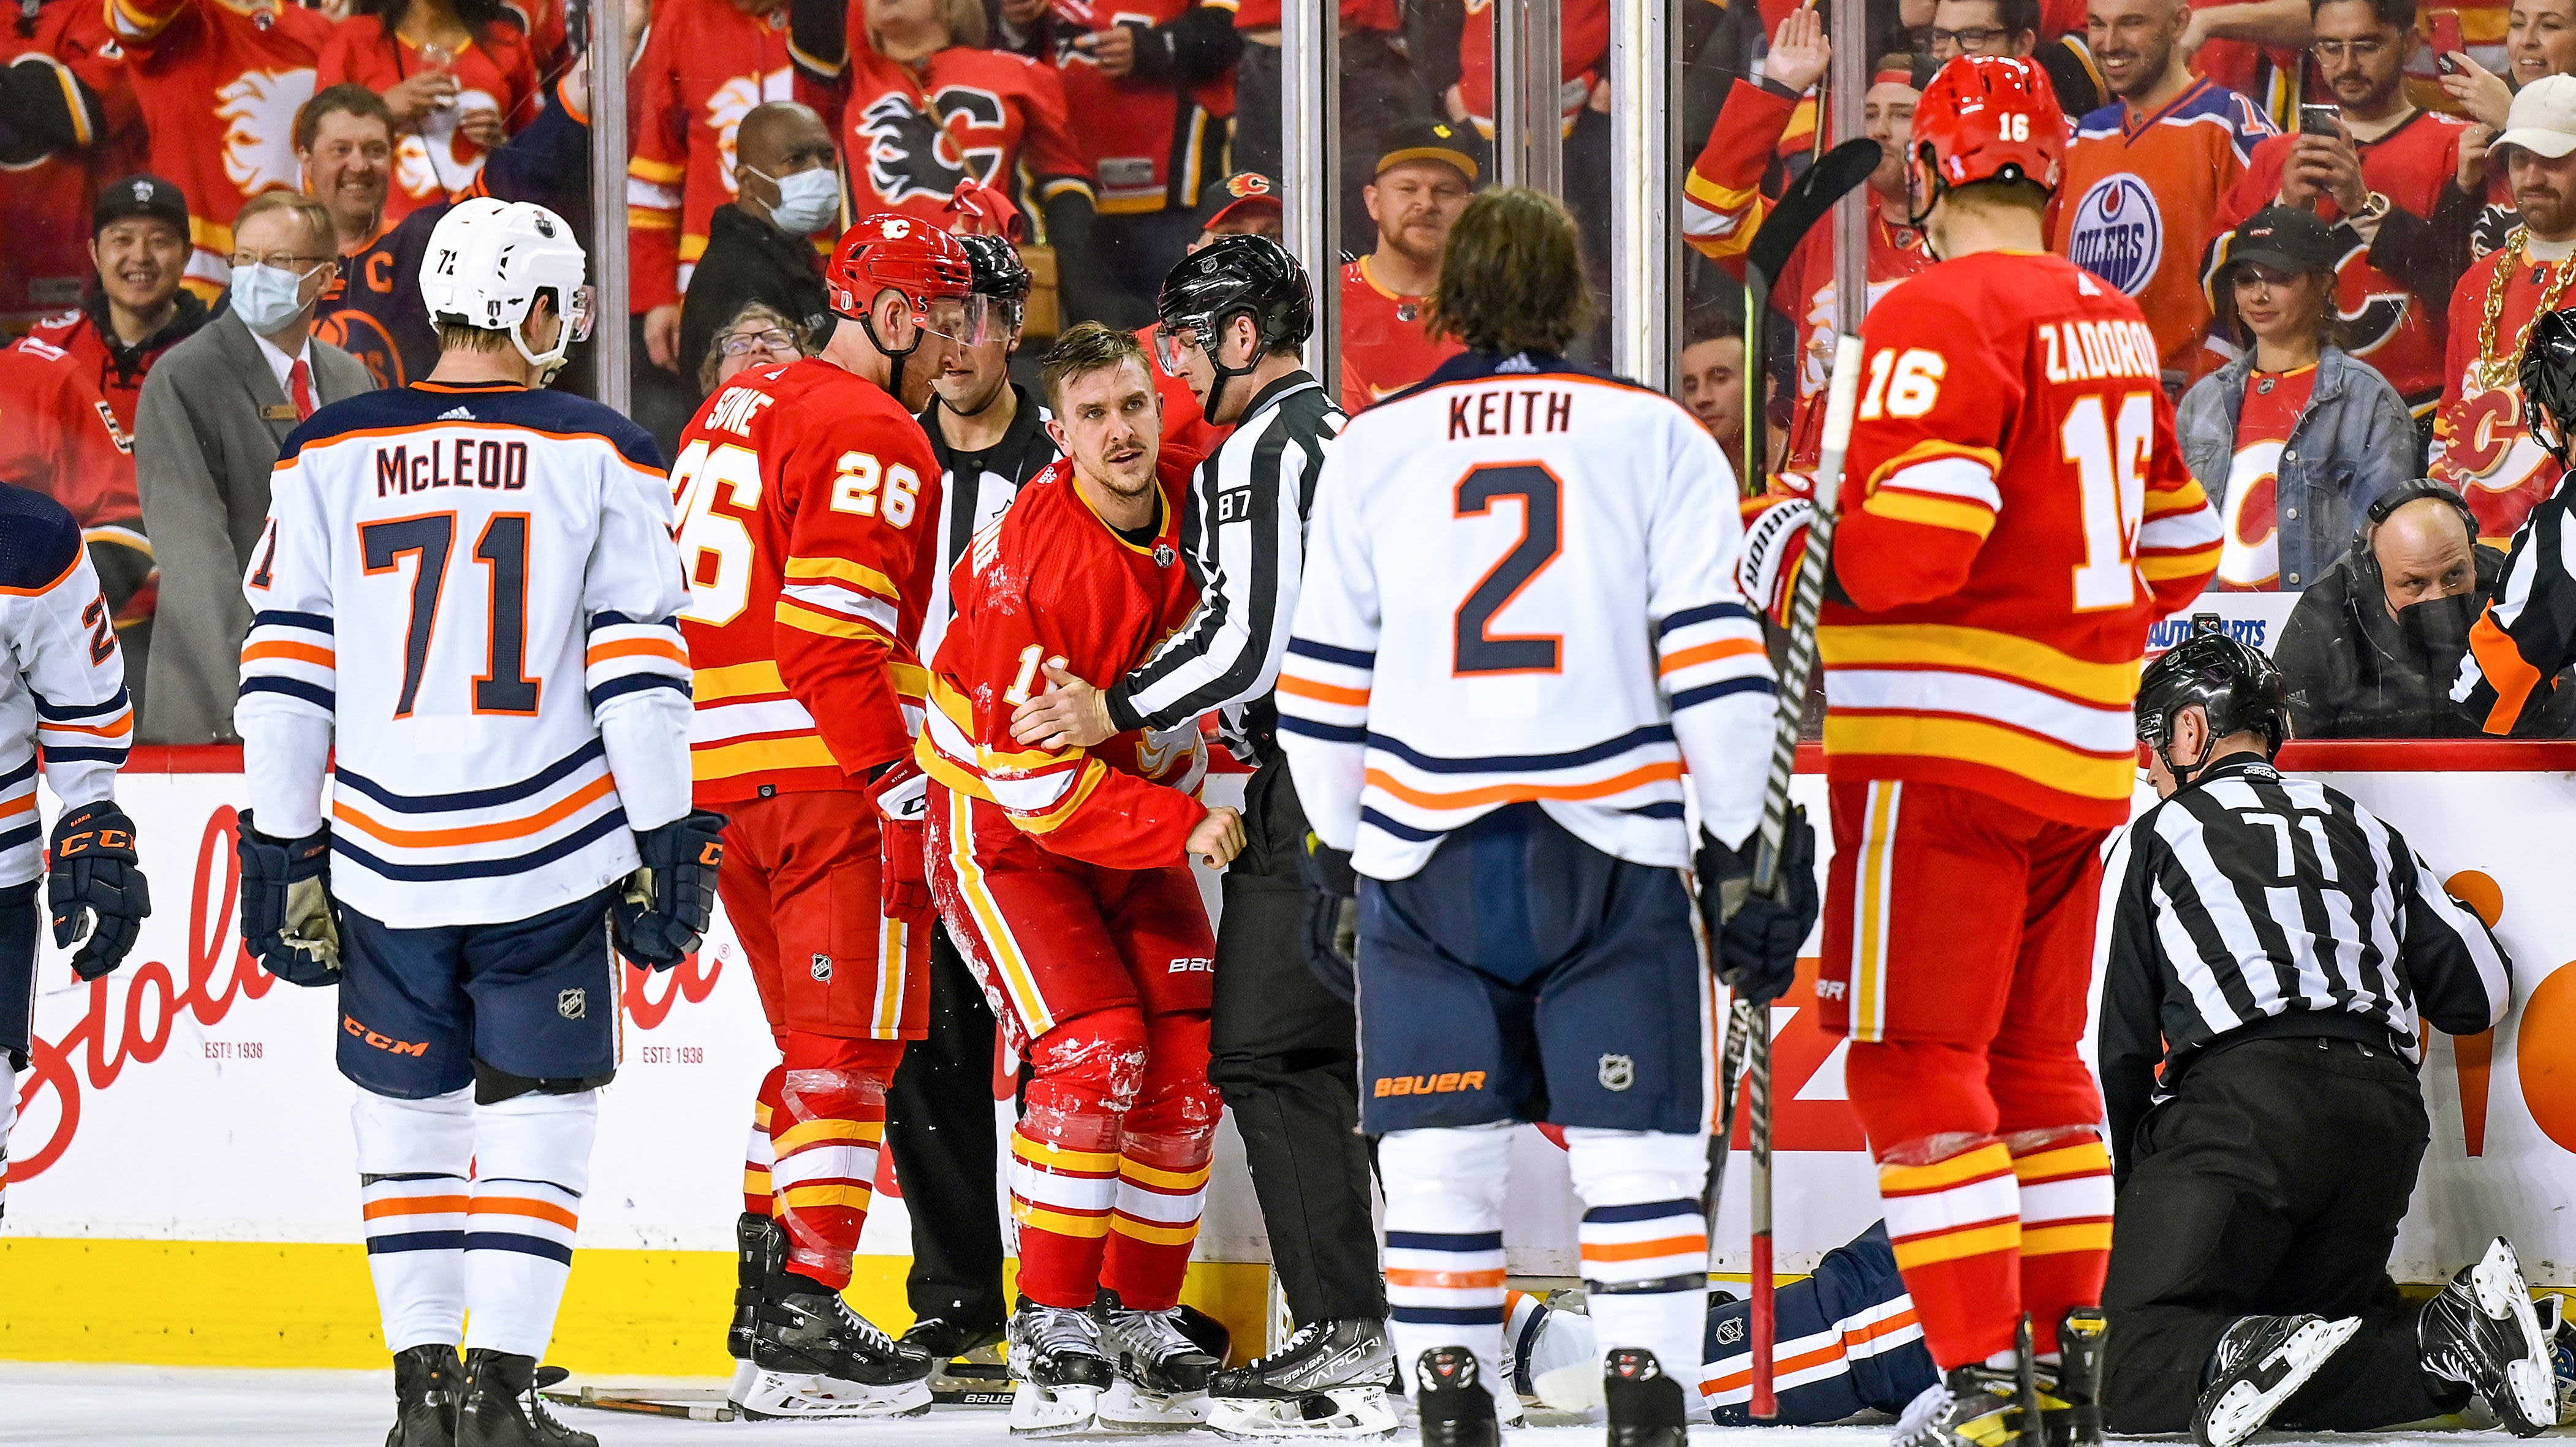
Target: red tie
pixel 299 385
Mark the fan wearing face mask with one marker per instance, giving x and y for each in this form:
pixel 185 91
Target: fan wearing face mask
pixel 760 246
pixel 2372 648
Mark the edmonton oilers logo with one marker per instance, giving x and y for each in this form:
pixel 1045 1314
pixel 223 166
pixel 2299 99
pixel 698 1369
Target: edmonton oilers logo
pixel 2119 234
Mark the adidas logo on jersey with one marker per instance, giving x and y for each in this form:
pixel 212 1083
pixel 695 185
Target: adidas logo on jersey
pixel 457 414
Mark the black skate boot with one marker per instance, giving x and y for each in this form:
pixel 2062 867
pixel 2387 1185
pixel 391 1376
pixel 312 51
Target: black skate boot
pixel 1060 1368
pixel 1328 1380
pixel 426 1379
pixel 1456 1409
pixel 2071 1409
pixel 499 1406
pixel 755 1238
pixel 2482 1332
pixel 819 1359
pixel 1646 1408
pixel 965 1361
pixel 2260 1363
pixel 1163 1375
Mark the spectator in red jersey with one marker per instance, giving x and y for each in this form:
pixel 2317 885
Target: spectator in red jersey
pixel 50 121
pixel 1712 376
pixel 458 76
pixel 138 310
pixel 62 441
pixel 1245 204
pixel 1424 180
pixel 2380 181
pixel 1380 91
pixel 1984 27
pixel 760 248
pixel 219 82
pixel 2295 437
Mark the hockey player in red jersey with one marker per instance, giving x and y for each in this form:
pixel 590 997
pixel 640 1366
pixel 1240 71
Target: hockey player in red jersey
pixel 2014 515
pixel 1062 875
pixel 808 500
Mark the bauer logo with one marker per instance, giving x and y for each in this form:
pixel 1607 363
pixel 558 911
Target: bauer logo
pixel 1440 1084
pixel 2119 234
pixel 572 1004
pixel 1618 1072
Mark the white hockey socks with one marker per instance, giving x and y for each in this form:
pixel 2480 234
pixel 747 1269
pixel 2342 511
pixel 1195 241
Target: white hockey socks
pixel 1645 1243
pixel 413 1160
pixel 531 1165
pixel 8 1122
pixel 1444 1246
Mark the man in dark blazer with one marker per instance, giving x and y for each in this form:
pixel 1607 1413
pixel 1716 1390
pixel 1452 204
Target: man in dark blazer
pixel 214 414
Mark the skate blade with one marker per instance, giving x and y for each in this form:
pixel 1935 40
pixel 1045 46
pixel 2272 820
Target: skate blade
pixel 2530 1380
pixel 1040 1412
pixel 789 1397
pixel 1126 1407
pixel 2245 1407
pixel 970 1384
pixel 1336 1414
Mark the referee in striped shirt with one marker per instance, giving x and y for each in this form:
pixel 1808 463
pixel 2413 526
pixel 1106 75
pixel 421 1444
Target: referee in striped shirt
pixel 2276 951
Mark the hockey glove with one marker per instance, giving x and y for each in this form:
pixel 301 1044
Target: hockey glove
pixel 902 793
pixel 95 887
pixel 1332 917
pixel 1755 938
pixel 1775 544
pixel 286 910
pixel 669 901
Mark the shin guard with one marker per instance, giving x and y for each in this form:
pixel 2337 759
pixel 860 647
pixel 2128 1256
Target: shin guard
pixel 1444 1243
pixel 2065 1179
pixel 414 1161
pixel 531 1166
pixel 826 1132
pixel 758 1155
pixel 1064 1154
pixel 1644 1241
pixel 1163 1150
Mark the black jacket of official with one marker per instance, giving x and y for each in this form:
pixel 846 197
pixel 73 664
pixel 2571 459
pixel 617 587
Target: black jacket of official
pixel 747 259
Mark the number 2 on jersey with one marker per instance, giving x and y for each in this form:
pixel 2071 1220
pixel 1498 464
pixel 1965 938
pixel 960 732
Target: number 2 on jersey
pixel 2110 458
pixel 1478 648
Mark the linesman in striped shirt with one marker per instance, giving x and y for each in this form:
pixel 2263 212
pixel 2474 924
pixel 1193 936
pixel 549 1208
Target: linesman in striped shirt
pixel 2276 952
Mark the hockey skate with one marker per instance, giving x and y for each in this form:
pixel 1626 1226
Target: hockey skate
pixel 2482 1331
pixel 2260 1363
pixel 1163 1376
pixel 426 1379
pixel 499 1406
pixel 1646 1405
pixel 816 1358
pixel 1449 1394
pixel 1059 1368
pixel 1329 1380
pixel 965 1362
pixel 758 1245
pixel 2071 1389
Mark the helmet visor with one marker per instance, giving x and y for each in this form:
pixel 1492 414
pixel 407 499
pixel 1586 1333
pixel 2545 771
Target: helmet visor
pixel 579 312
pixel 1176 339
pixel 966 320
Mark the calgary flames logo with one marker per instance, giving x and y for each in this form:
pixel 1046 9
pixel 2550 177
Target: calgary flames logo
pixel 734 99
pixel 258 110
pixel 913 153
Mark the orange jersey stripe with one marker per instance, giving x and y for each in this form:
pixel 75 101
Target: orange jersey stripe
pixel 524 1206
pixel 635 647
pixel 1710 653
pixel 554 813
pixel 300 652
pixel 1635 778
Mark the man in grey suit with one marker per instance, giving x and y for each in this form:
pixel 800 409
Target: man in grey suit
pixel 214 415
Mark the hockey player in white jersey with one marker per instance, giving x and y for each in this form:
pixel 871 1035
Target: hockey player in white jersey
pixel 64 710
pixel 1519 623
pixel 467 588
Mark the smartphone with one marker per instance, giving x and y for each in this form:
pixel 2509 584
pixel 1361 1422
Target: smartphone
pixel 2320 121
pixel 2447 42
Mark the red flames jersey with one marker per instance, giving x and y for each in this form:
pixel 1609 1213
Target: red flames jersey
pixel 219 88
pixel 2140 203
pixel 809 512
pixel 47 197
pixel 1584 53
pixel 2015 514
pixel 705 65
pixel 434 162
pixel 1386 341
pixel 2386 323
pixel 2480 445
pixel 1049 581
pixel 909 136
pixel 1147 144
pixel 58 437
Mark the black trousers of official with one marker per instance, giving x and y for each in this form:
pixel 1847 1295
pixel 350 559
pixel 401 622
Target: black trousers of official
pixel 939 1123
pixel 2271 1184
pixel 1285 1054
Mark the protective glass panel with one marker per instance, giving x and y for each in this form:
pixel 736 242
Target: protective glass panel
pixel 1412 155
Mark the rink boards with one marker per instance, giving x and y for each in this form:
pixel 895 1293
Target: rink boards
pixel 184 1140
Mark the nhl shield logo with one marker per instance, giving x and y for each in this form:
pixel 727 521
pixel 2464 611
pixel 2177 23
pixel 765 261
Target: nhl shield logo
pixel 1730 1330
pixel 572 1004
pixel 142 192
pixel 1163 555
pixel 2119 232
pixel 1618 1072
pixel 822 969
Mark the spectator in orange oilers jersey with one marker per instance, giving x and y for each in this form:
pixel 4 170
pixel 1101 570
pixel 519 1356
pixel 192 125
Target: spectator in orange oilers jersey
pixel 1425 177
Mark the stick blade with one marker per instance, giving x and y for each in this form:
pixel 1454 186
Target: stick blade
pixel 1835 174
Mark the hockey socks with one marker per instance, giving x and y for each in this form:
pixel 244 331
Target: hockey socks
pixel 1644 1242
pixel 825 1131
pixel 1154 1217
pixel 1954 1217
pixel 758 1155
pixel 415 1160
pixel 2065 1189
pixel 1444 1244
pixel 531 1165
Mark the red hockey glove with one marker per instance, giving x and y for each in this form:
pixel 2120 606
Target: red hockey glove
pixel 902 795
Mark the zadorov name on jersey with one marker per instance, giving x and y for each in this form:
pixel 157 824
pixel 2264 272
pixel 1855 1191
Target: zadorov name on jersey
pixel 451 462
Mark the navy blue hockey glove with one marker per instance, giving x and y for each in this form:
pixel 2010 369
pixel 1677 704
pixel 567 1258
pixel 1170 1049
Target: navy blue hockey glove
pixel 668 902
pixel 1755 938
pixel 1332 917
pixel 94 886
pixel 287 918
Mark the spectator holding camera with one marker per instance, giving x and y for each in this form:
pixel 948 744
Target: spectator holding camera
pixel 2295 436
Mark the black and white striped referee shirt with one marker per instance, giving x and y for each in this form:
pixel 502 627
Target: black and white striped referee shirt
pixel 1245 533
pixel 2256 905
pixel 974 489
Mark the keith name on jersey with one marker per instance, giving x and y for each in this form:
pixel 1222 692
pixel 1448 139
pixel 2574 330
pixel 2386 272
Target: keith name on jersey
pixel 451 462
pixel 1490 414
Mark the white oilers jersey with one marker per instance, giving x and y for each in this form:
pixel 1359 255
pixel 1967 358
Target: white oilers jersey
pixel 1520 586
pixel 473 589
pixel 63 691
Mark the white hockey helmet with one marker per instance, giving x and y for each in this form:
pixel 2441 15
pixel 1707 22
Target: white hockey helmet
pixel 487 262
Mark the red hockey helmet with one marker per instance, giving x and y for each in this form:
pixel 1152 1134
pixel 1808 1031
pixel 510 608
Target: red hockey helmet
pixel 912 256
pixel 1989 118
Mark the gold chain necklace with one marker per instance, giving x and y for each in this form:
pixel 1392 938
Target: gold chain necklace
pixel 2494 371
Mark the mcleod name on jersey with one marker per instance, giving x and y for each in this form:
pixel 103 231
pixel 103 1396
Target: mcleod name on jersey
pixel 462 582
pixel 1528 656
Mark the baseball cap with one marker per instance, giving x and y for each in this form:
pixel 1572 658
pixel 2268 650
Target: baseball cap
pixel 2287 239
pixel 2543 118
pixel 1431 141
pixel 138 196
pixel 1243 189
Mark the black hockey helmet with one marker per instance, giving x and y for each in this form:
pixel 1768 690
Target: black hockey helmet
pixel 2549 381
pixel 999 272
pixel 2239 687
pixel 1232 276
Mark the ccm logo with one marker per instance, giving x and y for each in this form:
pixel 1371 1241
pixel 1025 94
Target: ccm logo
pixel 381 1042
pixel 1430 1084
pixel 1830 989
pixel 1191 965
